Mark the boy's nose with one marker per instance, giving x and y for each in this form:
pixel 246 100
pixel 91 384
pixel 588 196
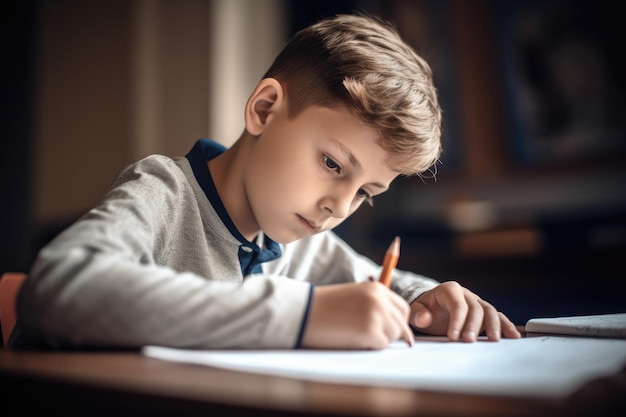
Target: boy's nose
pixel 338 204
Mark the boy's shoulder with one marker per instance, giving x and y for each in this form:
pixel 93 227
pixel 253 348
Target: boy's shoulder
pixel 155 167
pixel 155 162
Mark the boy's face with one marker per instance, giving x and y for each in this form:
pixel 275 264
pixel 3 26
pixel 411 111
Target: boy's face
pixel 310 173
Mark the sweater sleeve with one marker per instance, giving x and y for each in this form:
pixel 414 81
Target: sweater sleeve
pixel 325 258
pixel 103 282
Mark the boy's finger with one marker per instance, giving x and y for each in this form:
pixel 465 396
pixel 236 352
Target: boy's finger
pixel 408 335
pixel 458 314
pixel 492 322
pixel 473 320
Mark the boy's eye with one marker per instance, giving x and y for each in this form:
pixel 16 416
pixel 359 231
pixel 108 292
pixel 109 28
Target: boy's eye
pixel 330 164
pixel 364 195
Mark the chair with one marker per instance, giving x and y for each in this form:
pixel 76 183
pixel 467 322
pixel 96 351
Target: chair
pixel 10 284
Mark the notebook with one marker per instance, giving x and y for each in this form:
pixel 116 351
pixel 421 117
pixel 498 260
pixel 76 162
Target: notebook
pixel 596 325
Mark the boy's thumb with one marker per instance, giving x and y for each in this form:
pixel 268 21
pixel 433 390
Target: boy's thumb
pixel 422 317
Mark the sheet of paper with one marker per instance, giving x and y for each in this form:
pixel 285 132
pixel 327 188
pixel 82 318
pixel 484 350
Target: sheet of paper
pixel 550 366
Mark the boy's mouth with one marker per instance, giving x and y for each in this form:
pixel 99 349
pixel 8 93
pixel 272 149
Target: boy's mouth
pixel 309 225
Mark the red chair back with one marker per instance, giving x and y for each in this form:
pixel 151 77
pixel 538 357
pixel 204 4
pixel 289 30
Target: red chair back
pixel 10 284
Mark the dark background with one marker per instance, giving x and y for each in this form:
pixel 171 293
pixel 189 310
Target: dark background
pixel 528 205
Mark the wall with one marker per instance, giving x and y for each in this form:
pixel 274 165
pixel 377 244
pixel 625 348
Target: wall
pixel 110 82
pixel 117 80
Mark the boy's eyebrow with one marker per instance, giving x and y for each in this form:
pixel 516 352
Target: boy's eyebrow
pixel 355 162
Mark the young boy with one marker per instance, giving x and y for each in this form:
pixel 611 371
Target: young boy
pixel 233 248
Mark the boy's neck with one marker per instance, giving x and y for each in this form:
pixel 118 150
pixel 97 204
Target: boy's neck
pixel 227 173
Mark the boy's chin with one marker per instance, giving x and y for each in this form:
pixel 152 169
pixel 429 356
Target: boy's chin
pixel 287 238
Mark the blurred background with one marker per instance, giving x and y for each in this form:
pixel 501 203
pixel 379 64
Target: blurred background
pixel 528 205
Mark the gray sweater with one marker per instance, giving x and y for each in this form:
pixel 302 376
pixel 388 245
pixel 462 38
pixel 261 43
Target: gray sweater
pixel 155 264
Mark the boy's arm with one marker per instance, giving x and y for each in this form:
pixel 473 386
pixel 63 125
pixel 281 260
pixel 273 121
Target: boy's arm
pixel 342 316
pixel 102 282
pixel 353 312
pixel 325 258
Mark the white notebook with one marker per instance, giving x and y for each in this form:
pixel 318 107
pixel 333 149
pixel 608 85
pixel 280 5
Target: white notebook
pixel 597 325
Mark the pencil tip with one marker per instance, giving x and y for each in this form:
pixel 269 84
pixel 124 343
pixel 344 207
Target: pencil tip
pixel 395 246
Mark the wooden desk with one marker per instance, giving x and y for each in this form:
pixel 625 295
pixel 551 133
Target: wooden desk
pixel 129 384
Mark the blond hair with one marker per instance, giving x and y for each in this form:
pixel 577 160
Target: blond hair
pixel 361 62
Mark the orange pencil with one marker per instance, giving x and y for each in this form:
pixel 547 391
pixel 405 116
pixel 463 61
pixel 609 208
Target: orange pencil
pixel 391 260
pixel 389 263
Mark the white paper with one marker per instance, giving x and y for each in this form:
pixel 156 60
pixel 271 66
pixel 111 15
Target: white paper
pixel 550 366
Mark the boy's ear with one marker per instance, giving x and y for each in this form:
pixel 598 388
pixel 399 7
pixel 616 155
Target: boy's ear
pixel 267 97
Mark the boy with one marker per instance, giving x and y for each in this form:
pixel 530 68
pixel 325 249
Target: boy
pixel 233 248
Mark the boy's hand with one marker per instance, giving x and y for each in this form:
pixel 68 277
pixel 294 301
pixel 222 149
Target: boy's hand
pixel 366 315
pixel 452 310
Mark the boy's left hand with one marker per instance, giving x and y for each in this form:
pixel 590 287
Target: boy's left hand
pixel 452 310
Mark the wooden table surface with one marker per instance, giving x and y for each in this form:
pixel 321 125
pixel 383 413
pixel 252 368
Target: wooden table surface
pixel 128 383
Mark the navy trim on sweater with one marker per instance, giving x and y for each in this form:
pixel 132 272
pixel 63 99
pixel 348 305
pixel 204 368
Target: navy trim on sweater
pixel 305 318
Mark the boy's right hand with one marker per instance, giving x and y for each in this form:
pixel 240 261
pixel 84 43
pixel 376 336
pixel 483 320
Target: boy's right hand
pixel 364 315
